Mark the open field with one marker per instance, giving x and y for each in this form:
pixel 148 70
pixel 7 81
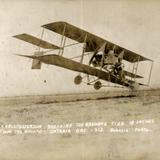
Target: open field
pixel 141 142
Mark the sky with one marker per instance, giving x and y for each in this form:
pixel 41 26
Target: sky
pixel 131 24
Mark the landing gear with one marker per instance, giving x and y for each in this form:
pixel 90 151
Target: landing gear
pixel 77 79
pixel 97 85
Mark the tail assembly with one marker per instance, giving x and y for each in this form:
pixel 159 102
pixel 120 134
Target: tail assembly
pixel 36 64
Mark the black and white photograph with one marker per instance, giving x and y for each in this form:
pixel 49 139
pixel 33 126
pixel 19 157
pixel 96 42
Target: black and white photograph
pixel 79 79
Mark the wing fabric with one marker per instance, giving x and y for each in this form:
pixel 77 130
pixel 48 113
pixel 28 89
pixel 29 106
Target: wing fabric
pixel 129 74
pixel 36 41
pixel 77 66
pixel 92 41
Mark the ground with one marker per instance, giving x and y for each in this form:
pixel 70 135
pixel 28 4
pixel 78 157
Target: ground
pixel 102 145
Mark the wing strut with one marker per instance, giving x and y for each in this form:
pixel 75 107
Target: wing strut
pixel 41 39
pixel 63 40
pixel 149 79
pixel 84 48
pixel 135 68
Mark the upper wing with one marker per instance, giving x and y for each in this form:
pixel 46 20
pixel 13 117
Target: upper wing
pixel 92 41
pixel 36 41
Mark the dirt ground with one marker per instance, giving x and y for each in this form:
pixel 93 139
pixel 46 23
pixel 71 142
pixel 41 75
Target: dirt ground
pixel 102 145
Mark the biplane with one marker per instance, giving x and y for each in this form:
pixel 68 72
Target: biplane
pixel 105 63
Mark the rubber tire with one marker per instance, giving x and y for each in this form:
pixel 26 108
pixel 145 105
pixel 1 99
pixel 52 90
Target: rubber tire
pixel 97 85
pixel 78 80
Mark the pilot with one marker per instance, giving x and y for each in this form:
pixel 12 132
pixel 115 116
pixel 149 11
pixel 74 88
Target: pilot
pixel 110 59
pixel 118 69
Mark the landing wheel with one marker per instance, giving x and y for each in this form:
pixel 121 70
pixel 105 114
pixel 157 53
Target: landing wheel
pixel 97 85
pixel 78 79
